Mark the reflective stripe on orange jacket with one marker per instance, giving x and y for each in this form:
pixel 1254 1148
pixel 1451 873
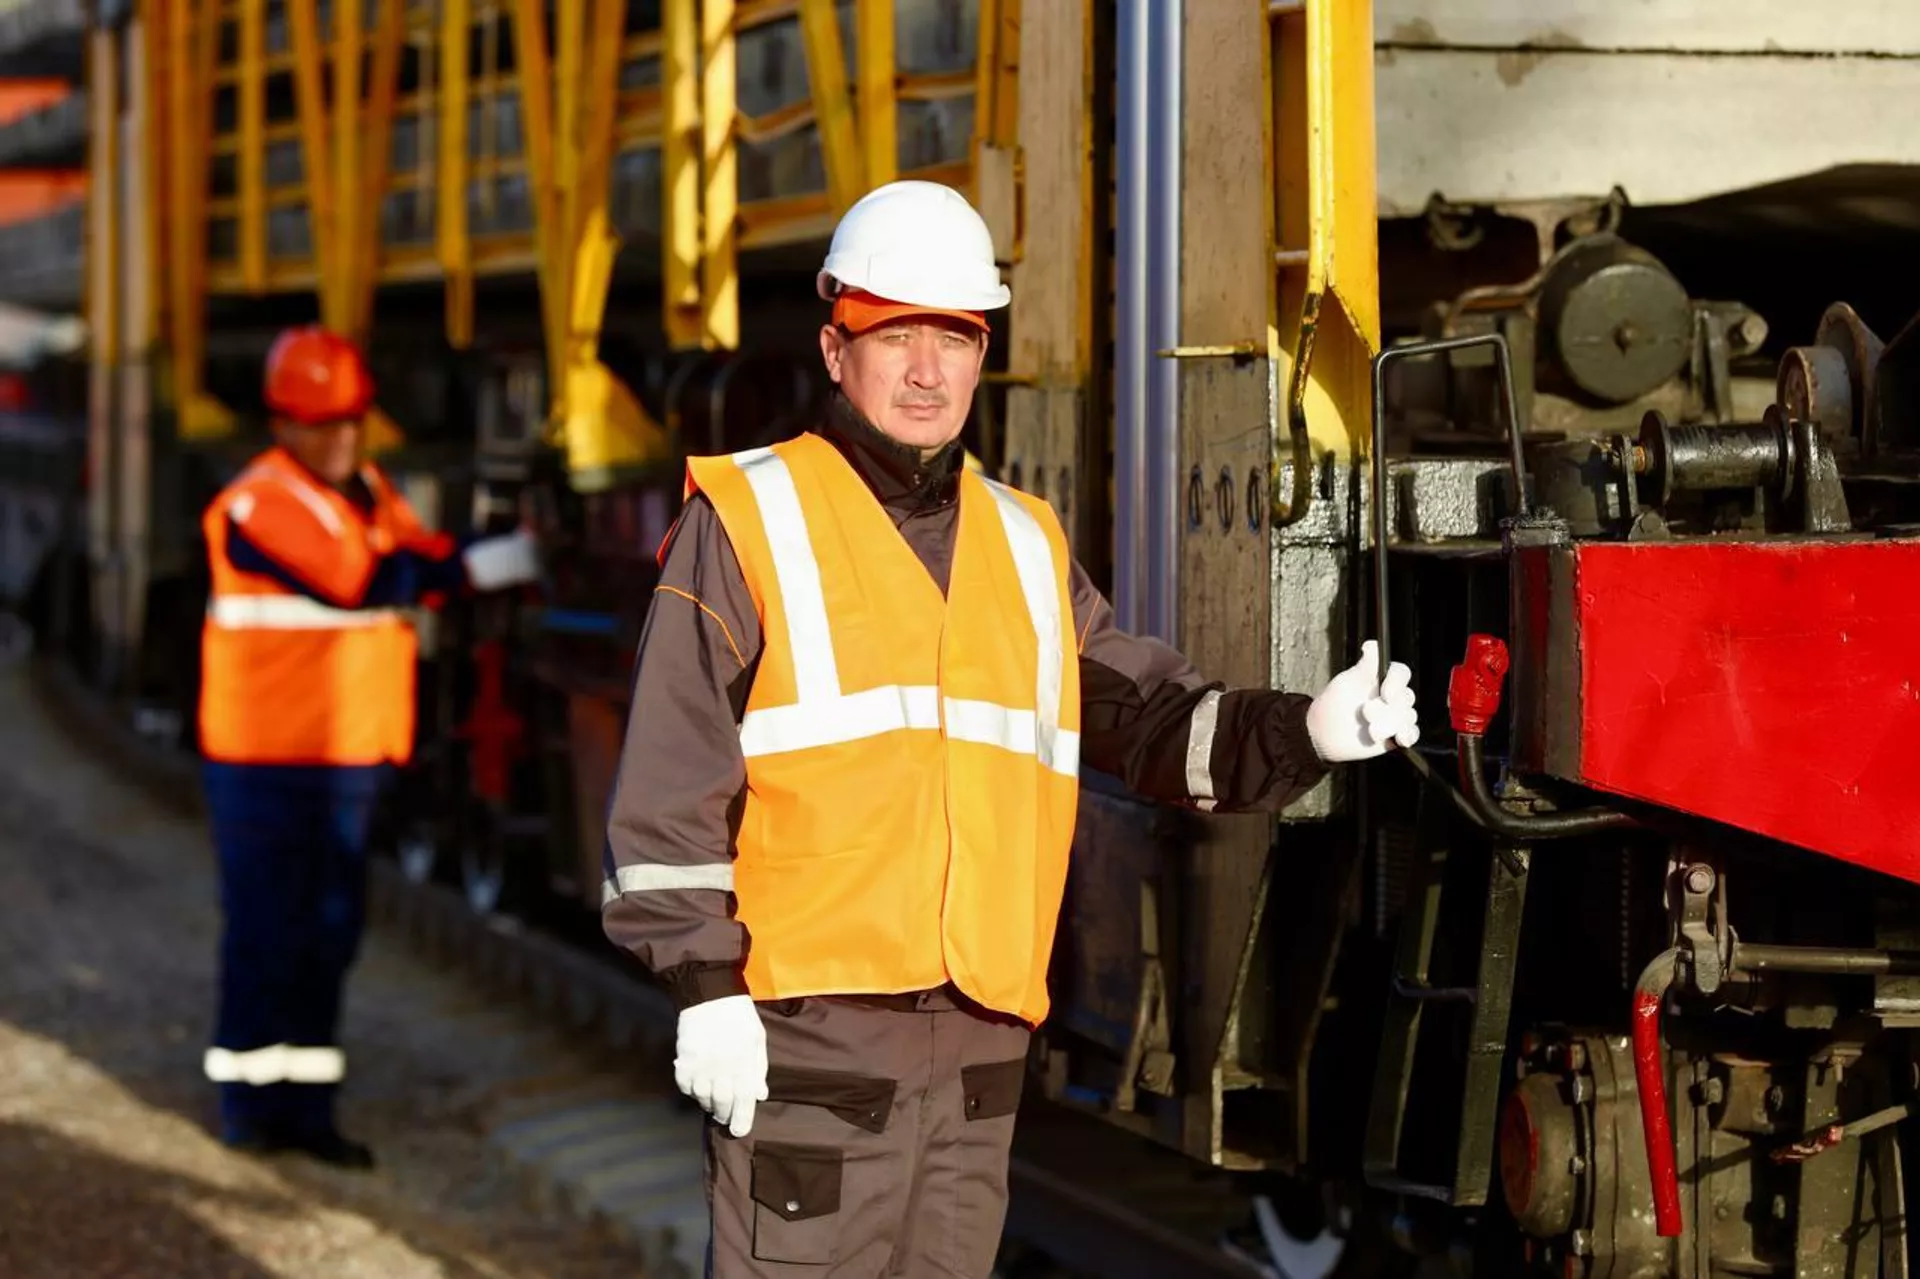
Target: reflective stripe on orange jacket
pixel 288 679
pixel 912 760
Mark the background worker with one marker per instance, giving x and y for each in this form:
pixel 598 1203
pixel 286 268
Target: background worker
pixel 307 701
pixel 841 823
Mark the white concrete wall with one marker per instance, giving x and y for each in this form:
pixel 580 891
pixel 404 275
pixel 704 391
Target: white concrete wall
pixel 1491 101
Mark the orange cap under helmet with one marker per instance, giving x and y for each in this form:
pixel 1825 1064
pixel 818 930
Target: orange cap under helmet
pixel 315 376
pixel 856 312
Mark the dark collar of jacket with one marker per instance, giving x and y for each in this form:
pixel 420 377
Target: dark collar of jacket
pixel 894 471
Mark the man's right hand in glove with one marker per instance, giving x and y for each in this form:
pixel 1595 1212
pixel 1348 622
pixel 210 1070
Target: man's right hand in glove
pixel 1357 715
pixel 720 1060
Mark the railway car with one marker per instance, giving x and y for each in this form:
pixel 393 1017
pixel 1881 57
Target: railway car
pixel 1567 346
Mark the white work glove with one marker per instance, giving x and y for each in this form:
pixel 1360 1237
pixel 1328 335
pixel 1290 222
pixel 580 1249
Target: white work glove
pixel 494 563
pixel 720 1059
pixel 1356 715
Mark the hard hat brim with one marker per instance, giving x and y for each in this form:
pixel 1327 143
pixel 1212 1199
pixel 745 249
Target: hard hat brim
pixel 858 312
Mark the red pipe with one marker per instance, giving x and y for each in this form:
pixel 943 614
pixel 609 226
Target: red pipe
pixel 1649 1072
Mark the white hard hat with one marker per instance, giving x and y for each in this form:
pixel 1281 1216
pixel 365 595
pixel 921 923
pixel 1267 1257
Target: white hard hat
pixel 914 242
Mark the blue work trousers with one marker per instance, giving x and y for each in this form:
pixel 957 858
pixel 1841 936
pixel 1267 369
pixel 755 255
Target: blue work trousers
pixel 292 846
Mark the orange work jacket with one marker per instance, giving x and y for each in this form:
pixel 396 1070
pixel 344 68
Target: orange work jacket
pixel 287 679
pixel 912 760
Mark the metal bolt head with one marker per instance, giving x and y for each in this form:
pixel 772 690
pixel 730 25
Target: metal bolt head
pixel 1711 1092
pixel 1700 879
pixel 1576 1165
pixel 1776 1099
pixel 1581 1242
pixel 1778 1207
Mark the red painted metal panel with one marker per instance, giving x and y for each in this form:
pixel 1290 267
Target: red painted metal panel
pixel 1771 686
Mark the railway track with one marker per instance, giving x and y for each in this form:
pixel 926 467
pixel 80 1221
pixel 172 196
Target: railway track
pixel 1087 1200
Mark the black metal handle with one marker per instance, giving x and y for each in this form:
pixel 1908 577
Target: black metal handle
pixel 1510 404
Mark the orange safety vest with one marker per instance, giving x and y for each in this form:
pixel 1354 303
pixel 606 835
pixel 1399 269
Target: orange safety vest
pixel 287 679
pixel 912 760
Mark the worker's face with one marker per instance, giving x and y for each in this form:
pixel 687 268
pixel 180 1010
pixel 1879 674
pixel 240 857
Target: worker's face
pixel 332 451
pixel 913 379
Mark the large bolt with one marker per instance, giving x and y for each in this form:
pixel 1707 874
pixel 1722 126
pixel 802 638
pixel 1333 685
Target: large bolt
pixel 1699 879
pixel 1779 1207
pixel 1576 1165
pixel 1710 1092
pixel 1581 1242
pixel 1776 1099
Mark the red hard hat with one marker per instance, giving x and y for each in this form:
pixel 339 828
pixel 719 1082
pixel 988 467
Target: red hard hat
pixel 315 376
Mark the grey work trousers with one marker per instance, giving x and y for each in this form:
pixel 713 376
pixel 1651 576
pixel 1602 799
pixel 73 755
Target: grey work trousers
pixel 881 1148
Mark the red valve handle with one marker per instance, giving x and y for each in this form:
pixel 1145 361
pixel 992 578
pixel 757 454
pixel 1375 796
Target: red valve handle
pixel 1473 693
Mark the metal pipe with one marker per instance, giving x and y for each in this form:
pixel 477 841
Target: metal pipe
pixel 1824 960
pixel 1130 349
pixel 1650 1077
pixel 1488 811
pixel 1160 425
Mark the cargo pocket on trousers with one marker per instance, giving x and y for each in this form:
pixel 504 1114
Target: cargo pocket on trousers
pixel 796 1198
pixel 992 1091
pixel 861 1100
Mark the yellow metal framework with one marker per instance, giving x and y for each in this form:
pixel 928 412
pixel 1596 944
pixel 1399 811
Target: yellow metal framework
pixel 340 145
pixel 1326 239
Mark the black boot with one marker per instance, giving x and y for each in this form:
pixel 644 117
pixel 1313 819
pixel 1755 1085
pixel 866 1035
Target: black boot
pixel 329 1147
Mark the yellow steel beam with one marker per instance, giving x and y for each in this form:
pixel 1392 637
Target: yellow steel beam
pixel 569 24
pixel 680 172
pixel 341 287
pixel 832 108
pixel 603 102
pixel 389 36
pixel 253 146
pixel 1320 68
pixel 720 178
pixel 453 247
pixel 879 108
pixel 316 162
pixel 537 124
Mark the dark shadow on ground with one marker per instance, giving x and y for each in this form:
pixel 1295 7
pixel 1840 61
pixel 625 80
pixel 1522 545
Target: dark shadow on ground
pixel 94 956
pixel 68 1210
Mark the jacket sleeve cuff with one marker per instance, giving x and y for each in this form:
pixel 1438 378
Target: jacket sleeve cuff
pixel 1293 743
pixel 691 984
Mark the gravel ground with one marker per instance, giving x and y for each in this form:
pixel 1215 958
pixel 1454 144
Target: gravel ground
pixel 107 937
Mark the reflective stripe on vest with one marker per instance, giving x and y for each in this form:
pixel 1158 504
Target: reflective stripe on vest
pixel 911 755
pixel 824 716
pixel 290 613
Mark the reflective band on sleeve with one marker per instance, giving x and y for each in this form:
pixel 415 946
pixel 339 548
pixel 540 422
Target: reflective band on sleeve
pixel 276 1064
pixel 290 613
pixel 816 677
pixel 656 877
pixel 990 725
pixel 1040 583
pixel 1206 722
pixel 868 713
